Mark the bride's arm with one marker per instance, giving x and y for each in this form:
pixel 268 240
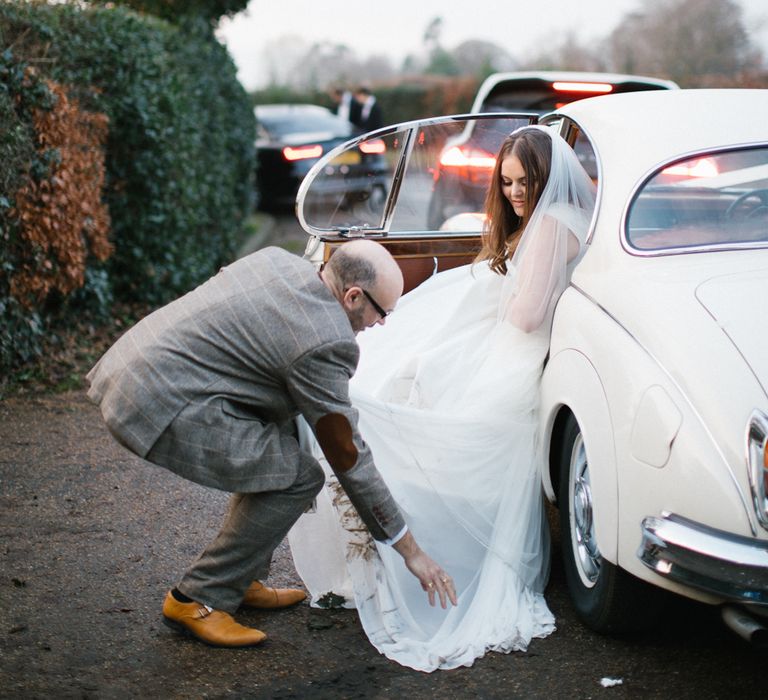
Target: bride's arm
pixel 541 274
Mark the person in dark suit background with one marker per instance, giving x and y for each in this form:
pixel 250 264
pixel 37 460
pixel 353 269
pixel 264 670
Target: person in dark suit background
pixel 371 116
pixel 346 106
pixel 209 386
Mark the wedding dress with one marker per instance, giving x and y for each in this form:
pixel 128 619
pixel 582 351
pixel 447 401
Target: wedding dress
pixel 447 393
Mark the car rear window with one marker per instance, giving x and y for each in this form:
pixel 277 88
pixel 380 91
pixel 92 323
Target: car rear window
pixel 709 200
pixel 540 96
pixel 299 122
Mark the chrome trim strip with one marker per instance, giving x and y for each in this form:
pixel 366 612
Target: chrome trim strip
pixel 757 432
pixel 714 248
pixel 731 566
pixel 637 252
pixel 750 514
pixel 375 234
pixel 397 178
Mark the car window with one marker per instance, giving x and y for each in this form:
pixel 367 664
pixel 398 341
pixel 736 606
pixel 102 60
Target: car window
pixel 716 199
pixel 586 155
pixel 578 140
pixel 350 190
pixel 281 124
pixel 448 174
pixel 544 95
pixel 429 175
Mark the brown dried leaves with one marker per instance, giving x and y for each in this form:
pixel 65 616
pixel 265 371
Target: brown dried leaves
pixel 63 218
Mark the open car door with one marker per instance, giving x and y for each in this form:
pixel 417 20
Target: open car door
pixel 418 188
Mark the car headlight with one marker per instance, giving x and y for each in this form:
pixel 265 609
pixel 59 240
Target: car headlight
pixel 757 451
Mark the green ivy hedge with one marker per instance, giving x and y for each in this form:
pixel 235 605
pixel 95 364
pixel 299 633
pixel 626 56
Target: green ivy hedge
pixel 179 155
pixel 21 329
pixel 174 10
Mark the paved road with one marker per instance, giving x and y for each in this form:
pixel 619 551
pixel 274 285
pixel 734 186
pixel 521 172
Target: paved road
pixel 277 229
pixel 92 538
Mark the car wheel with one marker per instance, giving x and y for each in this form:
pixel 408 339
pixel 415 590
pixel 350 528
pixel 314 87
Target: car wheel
pixel 606 598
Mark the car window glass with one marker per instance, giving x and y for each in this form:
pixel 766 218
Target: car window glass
pixel 351 189
pixel 448 174
pixel 429 175
pixel 715 199
pixel 586 155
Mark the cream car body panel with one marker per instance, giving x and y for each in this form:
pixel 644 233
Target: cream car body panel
pixel 678 403
pixel 654 398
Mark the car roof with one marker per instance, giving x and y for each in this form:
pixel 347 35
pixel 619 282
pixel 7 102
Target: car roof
pixel 634 132
pixel 277 110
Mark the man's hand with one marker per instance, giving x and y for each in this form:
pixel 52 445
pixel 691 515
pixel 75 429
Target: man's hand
pixel 431 576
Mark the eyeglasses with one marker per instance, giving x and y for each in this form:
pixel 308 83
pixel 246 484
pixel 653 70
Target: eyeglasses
pixel 375 304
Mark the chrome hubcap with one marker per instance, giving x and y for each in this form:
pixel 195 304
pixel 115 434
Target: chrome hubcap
pixel 583 542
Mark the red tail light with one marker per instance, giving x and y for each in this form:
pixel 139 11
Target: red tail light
pixel 457 157
pixel 373 146
pixel 302 152
pixel 595 88
pixel 703 167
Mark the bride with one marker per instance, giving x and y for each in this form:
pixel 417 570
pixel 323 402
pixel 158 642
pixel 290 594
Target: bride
pixel 447 392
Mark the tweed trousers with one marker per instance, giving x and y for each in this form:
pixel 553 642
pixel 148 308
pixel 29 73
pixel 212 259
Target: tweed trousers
pixel 254 526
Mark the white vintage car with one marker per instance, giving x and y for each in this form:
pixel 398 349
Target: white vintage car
pixel 654 400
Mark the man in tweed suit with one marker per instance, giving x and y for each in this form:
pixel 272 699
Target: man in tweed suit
pixel 209 387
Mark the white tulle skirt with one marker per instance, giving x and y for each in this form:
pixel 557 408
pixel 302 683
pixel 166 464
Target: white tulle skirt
pixel 447 397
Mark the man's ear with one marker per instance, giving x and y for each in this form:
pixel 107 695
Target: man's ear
pixel 351 296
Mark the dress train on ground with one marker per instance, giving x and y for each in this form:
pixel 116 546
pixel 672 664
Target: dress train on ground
pixel 447 395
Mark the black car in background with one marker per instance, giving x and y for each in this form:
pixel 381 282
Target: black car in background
pixel 291 138
pixel 464 169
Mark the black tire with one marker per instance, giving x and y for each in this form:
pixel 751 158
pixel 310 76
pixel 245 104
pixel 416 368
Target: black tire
pixel 607 599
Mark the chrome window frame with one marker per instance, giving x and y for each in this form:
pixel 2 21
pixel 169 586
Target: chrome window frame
pixel 683 250
pixel 566 128
pixel 757 432
pixel 410 130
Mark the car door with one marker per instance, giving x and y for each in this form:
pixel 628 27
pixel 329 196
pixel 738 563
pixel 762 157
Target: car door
pixel 417 188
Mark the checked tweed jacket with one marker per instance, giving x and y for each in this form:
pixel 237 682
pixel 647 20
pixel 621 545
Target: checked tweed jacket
pixel 235 361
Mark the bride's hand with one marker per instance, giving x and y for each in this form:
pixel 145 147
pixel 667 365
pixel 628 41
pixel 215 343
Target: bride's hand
pixel 433 579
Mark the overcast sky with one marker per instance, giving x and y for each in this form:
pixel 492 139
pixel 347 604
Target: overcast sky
pixel 395 27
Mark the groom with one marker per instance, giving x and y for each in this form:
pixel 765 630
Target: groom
pixel 209 387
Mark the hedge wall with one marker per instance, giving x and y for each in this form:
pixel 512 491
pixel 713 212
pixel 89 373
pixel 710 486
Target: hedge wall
pixel 425 96
pixel 174 10
pixel 401 100
pixel 158 109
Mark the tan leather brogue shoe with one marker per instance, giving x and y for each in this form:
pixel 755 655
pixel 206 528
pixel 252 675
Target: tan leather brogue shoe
pixel 214 627
pixel 259 596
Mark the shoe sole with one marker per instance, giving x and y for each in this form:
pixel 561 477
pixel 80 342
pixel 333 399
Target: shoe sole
pixel 182 629
pixel 271 607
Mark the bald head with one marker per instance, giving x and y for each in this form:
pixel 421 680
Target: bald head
pixel 360 267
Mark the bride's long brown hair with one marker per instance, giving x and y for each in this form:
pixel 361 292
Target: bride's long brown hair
pixel 503 227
